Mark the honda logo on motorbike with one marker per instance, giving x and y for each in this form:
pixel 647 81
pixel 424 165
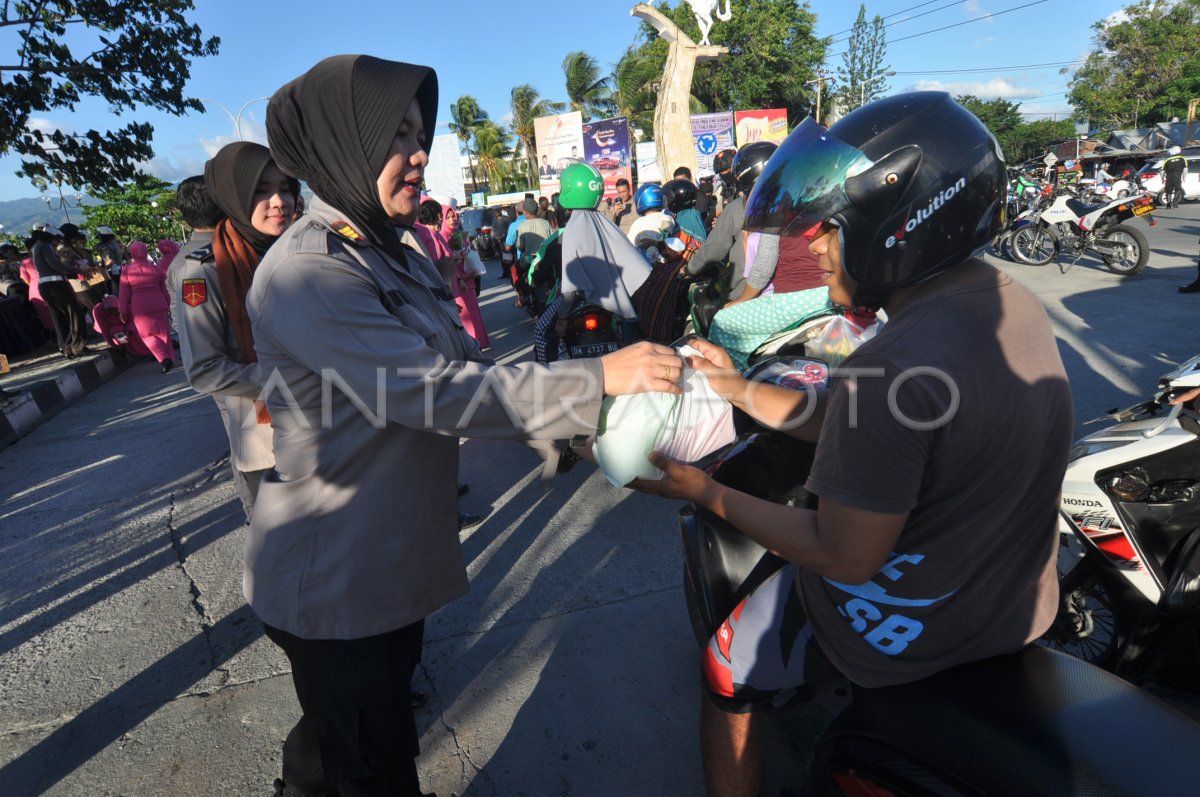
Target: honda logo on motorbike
pixel 1081 502
pixel 935 204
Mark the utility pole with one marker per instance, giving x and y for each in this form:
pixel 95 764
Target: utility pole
pixel 820 80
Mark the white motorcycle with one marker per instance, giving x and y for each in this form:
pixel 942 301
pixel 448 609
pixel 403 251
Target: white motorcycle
pixel 1072 227
pixel 1129 561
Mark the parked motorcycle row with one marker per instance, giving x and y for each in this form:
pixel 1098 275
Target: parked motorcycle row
pixel 1049 220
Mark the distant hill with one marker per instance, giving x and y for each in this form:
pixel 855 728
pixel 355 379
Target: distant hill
pixel 19 215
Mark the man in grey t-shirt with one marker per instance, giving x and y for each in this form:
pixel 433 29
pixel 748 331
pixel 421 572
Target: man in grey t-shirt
pixel 941 443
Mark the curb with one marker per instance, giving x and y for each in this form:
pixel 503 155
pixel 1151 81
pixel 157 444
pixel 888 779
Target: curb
pixel 39 401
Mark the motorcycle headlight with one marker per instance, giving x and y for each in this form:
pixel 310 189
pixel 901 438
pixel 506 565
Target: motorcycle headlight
pixel 1081 450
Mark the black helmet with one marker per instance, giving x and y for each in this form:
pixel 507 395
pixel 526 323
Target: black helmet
pixel 723 166
pixel 915 182
pixel 680 194
pixel 749 162
pixel 723 160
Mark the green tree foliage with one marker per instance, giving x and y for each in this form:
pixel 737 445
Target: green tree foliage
pixel 1144 66
pixel 130 211
pixel 863 74
pixel 773 52
pixel 465 118
pixel 635 81
pixel 527 105
pixel 493 153
pixel 1019 140
pixel 130 53
pixel 587 89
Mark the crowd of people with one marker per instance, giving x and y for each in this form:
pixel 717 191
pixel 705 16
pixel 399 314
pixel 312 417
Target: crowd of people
pixel 295 317
pixel 81 292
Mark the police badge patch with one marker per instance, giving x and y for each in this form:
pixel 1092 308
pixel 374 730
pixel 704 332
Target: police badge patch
pixel 195 292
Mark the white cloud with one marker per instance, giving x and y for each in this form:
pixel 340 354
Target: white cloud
pixel 1115 18
pixel 997 88
pixel 975 11
pixel 506 120
pixel 985 40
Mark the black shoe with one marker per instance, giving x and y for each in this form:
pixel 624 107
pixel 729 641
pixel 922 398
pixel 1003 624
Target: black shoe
pixel 417 697
pixel 463 489
pixel 283 790
pixel 167 365
pixel 468 520
pixel 1193 288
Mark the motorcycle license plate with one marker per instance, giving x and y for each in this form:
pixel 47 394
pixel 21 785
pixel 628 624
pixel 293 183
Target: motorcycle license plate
pixel 1142 210
pixel 593 349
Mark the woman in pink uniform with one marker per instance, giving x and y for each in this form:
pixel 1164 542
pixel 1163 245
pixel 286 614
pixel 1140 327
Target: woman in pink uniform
pixel 29 275
pixel 145 301
pixel 450 264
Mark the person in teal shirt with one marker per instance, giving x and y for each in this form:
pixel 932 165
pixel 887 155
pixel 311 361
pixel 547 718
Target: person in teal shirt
pixel 681 197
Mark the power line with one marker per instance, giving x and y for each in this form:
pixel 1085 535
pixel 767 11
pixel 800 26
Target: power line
pixel 955 25
pixel 1012 68
pixel 889 16
pixel 914 16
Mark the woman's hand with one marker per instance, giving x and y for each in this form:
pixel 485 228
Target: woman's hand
pixel 680 481
pixel 124 318
pixel 643 367
pixel 717 366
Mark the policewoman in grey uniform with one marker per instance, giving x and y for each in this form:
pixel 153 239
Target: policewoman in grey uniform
pixel 354 539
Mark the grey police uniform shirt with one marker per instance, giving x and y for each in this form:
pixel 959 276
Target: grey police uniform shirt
pixel 372 379
pixel 213 364
pixel 48 263
pixel 199 240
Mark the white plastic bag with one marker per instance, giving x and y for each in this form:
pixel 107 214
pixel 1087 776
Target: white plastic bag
pixel 838 340
pixel 473 265
pixel 684 428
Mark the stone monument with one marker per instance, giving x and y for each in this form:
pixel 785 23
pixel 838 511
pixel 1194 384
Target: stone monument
pixel 673 116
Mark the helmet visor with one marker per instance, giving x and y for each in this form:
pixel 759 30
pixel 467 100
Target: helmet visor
pixel 803 184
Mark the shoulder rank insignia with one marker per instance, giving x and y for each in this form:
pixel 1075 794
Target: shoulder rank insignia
pixel 344 229
pixel 195 292
pixel 202 254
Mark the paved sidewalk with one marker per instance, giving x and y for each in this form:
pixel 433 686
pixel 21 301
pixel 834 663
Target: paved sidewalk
pixel 43 382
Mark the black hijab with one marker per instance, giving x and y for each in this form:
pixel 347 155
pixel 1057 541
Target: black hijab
pixel 332 127
pixel 231 178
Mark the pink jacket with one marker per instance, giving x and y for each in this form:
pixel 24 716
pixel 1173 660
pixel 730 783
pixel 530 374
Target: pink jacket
pixel 143 283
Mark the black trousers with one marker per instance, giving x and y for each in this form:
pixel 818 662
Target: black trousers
pixel 64 315
pixel 1173 190
pixel 357 736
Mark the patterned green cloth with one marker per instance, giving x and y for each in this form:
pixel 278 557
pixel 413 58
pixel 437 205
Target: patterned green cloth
pixel 742 328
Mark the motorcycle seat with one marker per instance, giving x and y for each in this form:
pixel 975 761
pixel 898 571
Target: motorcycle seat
pixel 1080 209
pixel 1036 722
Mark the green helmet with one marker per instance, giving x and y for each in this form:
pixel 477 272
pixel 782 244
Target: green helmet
pixel 580 187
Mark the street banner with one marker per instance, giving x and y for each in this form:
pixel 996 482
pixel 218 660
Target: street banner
pixel 499 200
pixel 559 144
pixel 443 175
pixel 606 147
pixel 713 132
pixel 478 198
pixel 768 125
pixel 647 163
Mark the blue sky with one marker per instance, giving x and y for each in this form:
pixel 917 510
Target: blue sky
pixel 485 49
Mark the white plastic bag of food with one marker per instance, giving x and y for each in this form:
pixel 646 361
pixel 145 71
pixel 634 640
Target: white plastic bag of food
pixel 684 428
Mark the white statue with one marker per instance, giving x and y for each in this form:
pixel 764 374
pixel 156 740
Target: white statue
pixel 705 11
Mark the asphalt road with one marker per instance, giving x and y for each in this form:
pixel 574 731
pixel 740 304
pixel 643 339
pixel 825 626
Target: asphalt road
pixel 129 664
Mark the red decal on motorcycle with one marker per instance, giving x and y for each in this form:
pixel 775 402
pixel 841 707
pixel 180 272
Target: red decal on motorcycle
pixel 1117 546
pixel 717 675
pixel 903 227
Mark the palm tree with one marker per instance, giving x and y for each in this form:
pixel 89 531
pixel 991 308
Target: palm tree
pixel 466 116
pixel 493 151
pixel 635 81
pixel 587 91
pixel 526 106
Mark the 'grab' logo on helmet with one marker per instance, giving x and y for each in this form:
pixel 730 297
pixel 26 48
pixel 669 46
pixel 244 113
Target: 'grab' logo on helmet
pixel 595 185
pixel 935 204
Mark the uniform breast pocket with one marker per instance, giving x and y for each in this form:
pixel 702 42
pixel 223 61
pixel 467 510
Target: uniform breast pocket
pixel 417 321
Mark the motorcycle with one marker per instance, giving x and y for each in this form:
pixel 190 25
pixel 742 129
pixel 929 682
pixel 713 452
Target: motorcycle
pixel 1035 722
pixel 592 331
pixel 1130 548
pixel 484 244
pixel 1068 225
